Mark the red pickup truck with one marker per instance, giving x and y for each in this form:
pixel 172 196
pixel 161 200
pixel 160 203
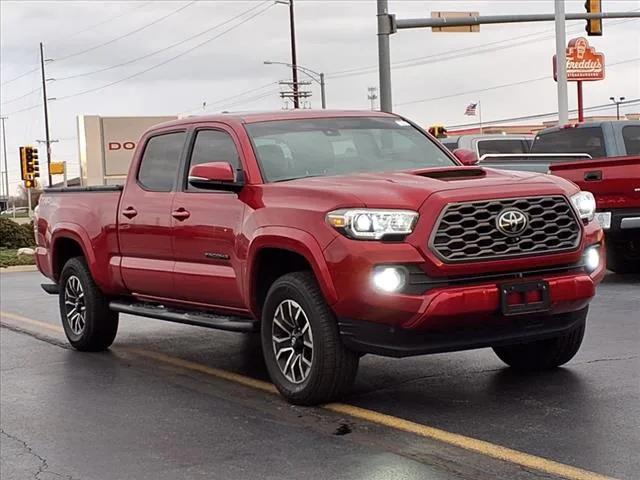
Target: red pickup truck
pixel 615 183
pixel 332 233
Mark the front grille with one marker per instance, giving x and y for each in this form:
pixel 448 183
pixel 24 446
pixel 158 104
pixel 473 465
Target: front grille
pixel 468 231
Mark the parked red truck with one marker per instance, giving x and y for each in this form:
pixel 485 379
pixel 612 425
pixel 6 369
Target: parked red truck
pixel 615 183
pixel 333 233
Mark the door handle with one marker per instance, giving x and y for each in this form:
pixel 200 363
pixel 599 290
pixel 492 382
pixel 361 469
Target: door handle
pixel 180 214
pixel 129 212
pixel 593 176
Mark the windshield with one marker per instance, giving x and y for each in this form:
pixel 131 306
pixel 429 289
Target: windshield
pixel 571 140
pixel 292 149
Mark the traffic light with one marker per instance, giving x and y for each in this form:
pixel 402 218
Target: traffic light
pixel 32 164
pixel 438 131
pixel 594 26
pixel 29 166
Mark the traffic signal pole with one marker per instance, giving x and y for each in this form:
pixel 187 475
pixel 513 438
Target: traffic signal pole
pixel 561 67
pixel 388 25
pixel 46 113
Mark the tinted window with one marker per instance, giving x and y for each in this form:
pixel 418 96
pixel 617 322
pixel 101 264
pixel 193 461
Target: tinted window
pixel 213 146
pixel 160 161
pixel 631 136
pixel 571 140
pixel 336 146
pixel 502 146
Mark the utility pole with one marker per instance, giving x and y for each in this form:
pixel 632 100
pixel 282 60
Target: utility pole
pixel 6 168
pixel 46 113
pixel 561 63
pixel 294 61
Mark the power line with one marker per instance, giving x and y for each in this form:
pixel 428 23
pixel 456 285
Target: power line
pixel 107 20
pixel 495 87
pixel 153 67
pixel 128 34
pixel 91 27
pixel 164 49
pixel 21 75
pixel 208 104
pixel 11 100
pixel 541 115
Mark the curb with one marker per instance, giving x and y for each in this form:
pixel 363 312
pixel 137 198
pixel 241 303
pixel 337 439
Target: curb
pixel 19 268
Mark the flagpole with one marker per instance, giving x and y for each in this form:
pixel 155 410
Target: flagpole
pixel 480 115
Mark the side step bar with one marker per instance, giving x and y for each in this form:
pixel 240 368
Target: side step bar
pixel 50 288
pixel 189 317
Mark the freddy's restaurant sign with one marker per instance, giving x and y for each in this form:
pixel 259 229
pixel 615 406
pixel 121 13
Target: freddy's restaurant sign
pixel 583 62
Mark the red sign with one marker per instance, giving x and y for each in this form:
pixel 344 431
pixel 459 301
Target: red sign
pixel 583 62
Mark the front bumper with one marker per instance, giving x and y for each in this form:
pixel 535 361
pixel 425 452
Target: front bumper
pixel 452 311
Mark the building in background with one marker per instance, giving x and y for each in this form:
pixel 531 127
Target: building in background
pixel 106 146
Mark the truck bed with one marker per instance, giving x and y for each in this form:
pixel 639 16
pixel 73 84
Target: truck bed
pixel 615 181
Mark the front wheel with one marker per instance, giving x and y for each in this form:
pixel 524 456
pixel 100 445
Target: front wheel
pixel 303 351
pixel 548 353
pixel 88 322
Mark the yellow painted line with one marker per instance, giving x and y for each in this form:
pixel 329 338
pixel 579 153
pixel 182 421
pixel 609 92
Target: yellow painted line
pixel 461 441
pixel 30 321
pixel 198 367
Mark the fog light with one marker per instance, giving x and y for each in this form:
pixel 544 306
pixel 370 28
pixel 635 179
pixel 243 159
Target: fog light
pixel 591 259
pixel 389 279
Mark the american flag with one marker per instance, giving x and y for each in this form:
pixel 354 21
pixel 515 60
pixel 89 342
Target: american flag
pixel 471 109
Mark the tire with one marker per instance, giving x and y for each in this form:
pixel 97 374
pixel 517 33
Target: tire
pixel 328 369
pixel 79 294
pixel 545 354
pixel 623 257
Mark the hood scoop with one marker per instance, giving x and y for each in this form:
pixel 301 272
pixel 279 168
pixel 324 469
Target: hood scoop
pixel 455 173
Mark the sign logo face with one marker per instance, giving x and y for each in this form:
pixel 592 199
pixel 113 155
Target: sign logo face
pixel 583 62
pixel 512 222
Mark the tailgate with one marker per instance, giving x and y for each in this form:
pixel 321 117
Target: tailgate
pixel 615 182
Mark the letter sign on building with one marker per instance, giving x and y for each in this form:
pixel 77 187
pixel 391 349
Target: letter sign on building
pixel 584 64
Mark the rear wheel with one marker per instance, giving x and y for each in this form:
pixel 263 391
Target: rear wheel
pixel 88 322
pixel 545 354
pixel 302 347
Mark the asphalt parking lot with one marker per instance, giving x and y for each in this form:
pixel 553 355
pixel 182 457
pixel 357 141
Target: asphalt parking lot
pixel 171 401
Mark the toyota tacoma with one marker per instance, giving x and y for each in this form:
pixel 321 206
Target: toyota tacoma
pixel 333 234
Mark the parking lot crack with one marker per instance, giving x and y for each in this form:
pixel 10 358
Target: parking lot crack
pixel 42 472
pixel 608 359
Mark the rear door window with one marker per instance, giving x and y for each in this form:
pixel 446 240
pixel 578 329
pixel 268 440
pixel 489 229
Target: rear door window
pixel 160 162
pixel 631 136
pixel 571 140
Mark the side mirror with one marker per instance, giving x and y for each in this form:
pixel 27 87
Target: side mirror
pixel 466 157
pixel 215 176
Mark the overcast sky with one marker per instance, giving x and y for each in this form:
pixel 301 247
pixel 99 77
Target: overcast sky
pixel 177 73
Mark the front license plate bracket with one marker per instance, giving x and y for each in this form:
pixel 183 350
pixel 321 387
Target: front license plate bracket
pixel 522 289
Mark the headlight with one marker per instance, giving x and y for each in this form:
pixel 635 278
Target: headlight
pixel 368 224
pixel 585 204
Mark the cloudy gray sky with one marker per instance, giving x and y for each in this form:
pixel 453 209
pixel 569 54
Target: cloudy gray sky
pixel 175 55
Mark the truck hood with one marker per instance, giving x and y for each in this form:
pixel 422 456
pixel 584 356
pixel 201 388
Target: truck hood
pixel 410 189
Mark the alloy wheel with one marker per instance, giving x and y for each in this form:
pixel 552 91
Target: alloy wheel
pixel 292 341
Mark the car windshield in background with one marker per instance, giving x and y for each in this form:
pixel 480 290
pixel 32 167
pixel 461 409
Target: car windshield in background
pixel 340 146
pixel 571 140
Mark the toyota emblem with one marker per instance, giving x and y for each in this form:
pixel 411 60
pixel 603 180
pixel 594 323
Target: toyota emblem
pixel 512 222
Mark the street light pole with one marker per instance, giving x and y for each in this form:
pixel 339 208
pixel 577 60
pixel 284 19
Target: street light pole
pixel 46 112
pixel 315 76
pixel 384 56
pixel 617 102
